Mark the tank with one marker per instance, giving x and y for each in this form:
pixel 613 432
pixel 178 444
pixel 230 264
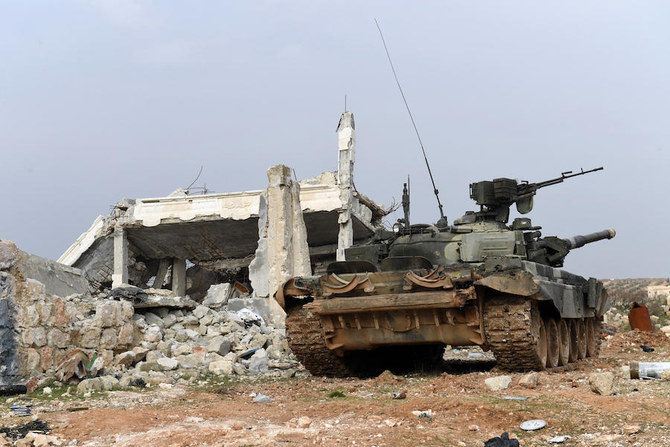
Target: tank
pixel 401 297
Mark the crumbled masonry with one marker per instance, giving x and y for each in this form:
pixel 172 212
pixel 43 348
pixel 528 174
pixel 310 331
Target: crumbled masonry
pixel 178 286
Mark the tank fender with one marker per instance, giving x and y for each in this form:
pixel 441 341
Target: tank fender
pixel 514 283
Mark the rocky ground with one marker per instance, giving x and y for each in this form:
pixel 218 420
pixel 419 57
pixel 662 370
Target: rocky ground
pixel 452 407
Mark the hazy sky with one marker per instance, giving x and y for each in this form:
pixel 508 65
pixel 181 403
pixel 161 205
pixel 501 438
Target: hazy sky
pixel 105 99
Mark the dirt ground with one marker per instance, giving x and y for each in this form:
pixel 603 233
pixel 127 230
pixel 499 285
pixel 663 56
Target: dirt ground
pixel 354 412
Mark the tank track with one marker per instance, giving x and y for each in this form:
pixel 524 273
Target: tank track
pixel 508 328
pixel 305 337
pixel 511 335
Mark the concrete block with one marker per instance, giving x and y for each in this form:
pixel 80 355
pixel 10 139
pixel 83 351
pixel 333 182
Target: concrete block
pixel 221 368
pixel 219 345
pixel 217 295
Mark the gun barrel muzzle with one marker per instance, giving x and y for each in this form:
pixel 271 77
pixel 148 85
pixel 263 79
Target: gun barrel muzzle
pixel 581 240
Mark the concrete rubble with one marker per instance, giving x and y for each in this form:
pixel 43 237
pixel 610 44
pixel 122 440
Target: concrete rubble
pixel 168 289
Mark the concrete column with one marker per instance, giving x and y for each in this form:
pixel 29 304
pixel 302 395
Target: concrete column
pixel 179 277
pixel 346 139
pixel 282 251
pixel 120 275
pixel 161 273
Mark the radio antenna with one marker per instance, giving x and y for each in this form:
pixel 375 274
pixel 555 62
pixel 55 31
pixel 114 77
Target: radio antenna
pixel 443 220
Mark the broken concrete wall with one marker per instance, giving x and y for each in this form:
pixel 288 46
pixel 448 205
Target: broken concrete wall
pixel 282 248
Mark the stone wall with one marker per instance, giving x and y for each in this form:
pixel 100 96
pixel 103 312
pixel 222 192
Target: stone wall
pixel 134 335
pixel 39 326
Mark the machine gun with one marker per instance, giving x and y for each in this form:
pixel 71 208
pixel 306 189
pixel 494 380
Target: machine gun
pixel 496 196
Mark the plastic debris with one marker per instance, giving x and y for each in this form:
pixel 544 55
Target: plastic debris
pixel 502 441
pixel 400 395
pixel 261 398
pixel 558 439
pixel 515 397
pixel 533 424
pixel 21 411
pixel 424 414
pixel 247 354
pixel 646 348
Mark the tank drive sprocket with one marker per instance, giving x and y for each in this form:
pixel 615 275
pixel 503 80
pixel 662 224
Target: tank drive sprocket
pixel 512 325
pixel 305 337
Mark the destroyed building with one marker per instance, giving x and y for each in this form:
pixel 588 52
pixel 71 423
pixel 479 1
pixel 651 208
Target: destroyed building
pixel 179 283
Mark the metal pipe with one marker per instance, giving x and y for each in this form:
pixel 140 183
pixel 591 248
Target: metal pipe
pixel 648 370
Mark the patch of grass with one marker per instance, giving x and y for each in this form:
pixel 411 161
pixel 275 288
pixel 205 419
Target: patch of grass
pixel 336 394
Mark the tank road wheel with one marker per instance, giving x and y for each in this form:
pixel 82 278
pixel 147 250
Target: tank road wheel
pixel 553 342
pixel 563 342
pixel 581 338
pixel 594 336
pixel 515 332
pixel 542 346
pixel 305 337
pixel 574 340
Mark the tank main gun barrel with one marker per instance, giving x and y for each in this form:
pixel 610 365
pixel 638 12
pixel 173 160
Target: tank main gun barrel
pixel 581 240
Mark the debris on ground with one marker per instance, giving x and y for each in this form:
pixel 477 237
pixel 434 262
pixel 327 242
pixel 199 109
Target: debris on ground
pixel 260 398
pixel 18 410
pixel 20 431
pixel 529 380
pixel 602 383
pixel 646 348
pixel 502 441
pixel 533 424
pixel 515 398
pixel 424 414
pixel 498 383
pixel 648 370
pixel 558 439
pixel 10 390
pixel 638 317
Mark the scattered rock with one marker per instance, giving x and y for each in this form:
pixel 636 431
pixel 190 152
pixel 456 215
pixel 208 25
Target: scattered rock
pixel 88 385
pixel 473 427
pixel 304 422
pixel 221 368
pixel 217 295
pixel 631 429
pixel 258 364
pixel 498 383
pixel 602 383
pixel 529 380
pixel 167 363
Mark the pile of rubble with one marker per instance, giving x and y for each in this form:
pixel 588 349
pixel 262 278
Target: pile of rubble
pixel 221 336
pixel 52 329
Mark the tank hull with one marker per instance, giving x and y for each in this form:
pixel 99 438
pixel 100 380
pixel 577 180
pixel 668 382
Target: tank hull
pixel 528 314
